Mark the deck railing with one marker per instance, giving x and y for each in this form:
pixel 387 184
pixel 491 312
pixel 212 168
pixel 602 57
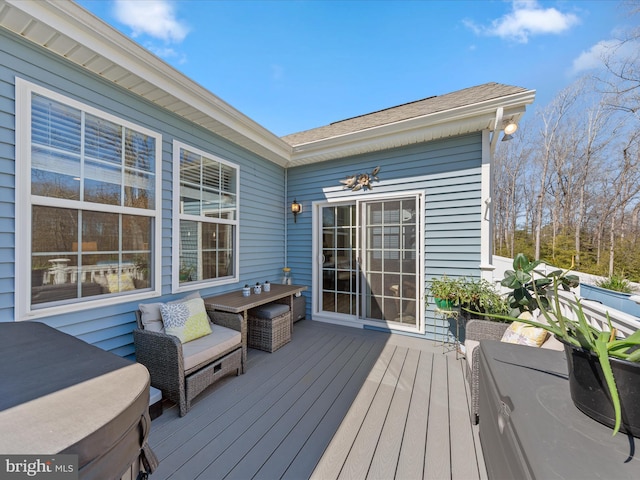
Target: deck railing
pixel 595 312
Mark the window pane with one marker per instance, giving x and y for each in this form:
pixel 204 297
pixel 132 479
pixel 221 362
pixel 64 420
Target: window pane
pixel 140 151
pixel 54 230
pixel 190 166
pixel 188 251
pixel 210 203
pixel 206 251
pixel 102 183
pixel 55 149
pixel 228 206
pixel 228 179
pixel 103 230
pixel 139 189
pixel 103 140
pixel 55 174
pixel 136 235
pixel 210 174
pixel 328 217
pixel 55 125
pixel 217 241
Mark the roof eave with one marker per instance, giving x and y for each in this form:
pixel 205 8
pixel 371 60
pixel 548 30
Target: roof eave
pixel 157 79
pixel 456 121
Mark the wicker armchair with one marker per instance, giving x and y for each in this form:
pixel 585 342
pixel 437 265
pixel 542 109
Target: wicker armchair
pixel 164 357
pixel 477 330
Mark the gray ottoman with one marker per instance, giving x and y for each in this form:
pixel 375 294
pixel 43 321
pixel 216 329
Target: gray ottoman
pixel 269 327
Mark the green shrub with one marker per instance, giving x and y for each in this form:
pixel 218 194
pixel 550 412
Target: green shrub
pixel 617 283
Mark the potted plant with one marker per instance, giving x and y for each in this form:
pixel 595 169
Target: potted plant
pixel 604 370
pixel 480 297
pixel 445 292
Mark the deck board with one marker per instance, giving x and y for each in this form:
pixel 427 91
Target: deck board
pixel 336 402
pixel 411 460
pixel 362 450
pixel 309 416
pixel 385 458
pixel 437 456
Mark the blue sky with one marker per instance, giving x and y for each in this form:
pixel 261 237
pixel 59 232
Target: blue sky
pixel 296 65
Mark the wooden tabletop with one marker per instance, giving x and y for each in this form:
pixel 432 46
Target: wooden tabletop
pixel 234 302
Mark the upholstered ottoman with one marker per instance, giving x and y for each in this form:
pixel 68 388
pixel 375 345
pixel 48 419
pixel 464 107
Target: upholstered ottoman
pixel 269 327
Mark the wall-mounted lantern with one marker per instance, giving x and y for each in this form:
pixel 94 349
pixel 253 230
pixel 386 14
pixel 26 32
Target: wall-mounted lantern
pixel 296 208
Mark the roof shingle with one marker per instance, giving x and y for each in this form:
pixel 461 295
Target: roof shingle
pixel 419 108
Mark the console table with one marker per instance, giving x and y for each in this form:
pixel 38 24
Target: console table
pixel 234 302
pixel 530 428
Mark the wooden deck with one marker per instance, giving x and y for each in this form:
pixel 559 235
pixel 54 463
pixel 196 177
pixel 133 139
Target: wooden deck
pixel 336 402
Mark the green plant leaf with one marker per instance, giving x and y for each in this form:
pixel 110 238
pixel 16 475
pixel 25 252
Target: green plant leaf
pixel 520 262
pixel 603 356
pixel 634 357
pixel 510 281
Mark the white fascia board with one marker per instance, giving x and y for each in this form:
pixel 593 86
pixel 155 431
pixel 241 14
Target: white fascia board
pixel 457 121
pixel 75 22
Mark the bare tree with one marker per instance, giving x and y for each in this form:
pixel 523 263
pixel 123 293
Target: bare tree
pixel 511 161
pixel 552 119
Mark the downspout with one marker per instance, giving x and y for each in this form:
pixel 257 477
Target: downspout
pixel 489 142
pixel 496 130
pixel 286 216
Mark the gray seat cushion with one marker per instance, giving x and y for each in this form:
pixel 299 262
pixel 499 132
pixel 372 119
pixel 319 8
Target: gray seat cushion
pixel 270 310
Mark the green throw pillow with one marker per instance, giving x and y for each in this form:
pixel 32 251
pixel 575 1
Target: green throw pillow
pixel 186 320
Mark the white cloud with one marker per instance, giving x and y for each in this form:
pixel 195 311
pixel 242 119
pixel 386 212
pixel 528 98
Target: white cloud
pixel 167 53
pixel 610 50
pixel 155 18
pixel 526 19
pixel 592 58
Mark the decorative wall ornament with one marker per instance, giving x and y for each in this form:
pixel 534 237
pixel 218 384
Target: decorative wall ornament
pixel 361 181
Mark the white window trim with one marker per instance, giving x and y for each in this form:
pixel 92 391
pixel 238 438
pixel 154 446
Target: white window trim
pixel 23 310
pixel 176 217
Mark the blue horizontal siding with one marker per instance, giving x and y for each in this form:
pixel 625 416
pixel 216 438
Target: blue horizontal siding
pixel 448 172
pixel 262 202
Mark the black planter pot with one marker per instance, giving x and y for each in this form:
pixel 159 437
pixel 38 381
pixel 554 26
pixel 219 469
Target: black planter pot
pixel 590 394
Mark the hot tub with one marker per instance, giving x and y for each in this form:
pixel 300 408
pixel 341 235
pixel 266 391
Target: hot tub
pixel 60 395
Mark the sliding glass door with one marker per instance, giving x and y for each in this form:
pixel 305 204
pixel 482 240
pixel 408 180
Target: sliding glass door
pixel 339 260
pixel 371 262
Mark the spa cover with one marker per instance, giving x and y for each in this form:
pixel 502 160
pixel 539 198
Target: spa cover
pixel 59 394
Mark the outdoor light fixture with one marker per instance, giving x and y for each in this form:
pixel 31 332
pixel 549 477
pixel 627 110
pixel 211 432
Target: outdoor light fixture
pixel 296 208
pixel 509 130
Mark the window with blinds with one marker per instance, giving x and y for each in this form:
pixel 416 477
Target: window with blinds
pixel 92 202
pixel 207 206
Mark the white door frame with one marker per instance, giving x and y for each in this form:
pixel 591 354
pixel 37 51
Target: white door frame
pixel 358 321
